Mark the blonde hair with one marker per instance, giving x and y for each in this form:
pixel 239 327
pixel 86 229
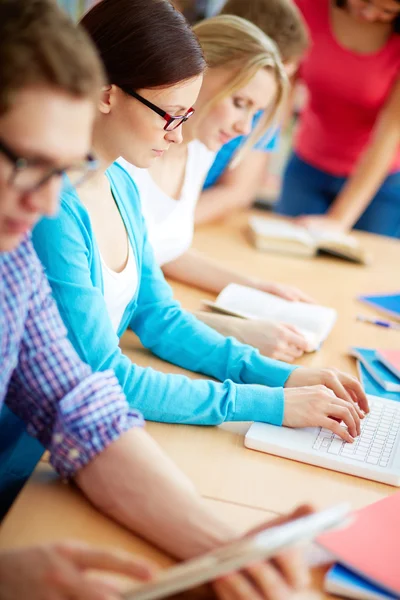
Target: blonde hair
pixel 231 42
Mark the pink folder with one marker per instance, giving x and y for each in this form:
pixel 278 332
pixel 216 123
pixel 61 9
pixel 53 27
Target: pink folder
pixel 370 545
pixel 391 360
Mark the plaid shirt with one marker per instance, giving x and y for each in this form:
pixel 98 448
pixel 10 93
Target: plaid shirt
pixel 73 412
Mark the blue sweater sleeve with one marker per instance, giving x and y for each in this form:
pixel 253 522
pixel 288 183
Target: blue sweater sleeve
pixel 63 245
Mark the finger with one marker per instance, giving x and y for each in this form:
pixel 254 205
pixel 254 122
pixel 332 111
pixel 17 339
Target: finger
pixel 236 586
pixel 340 431
pixel 296 339
pixel 347 413
pixel 355 387
pixel 296 351
pixel 269 581
pixel 306 298
pixel 87 557
pixel 283 356
pixel 294 568
pixel 301 511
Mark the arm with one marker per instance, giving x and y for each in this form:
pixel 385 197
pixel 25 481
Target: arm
pixel 202 272
pixel 156 500
pixel 371 169
pixel 165 329
pixel 236 188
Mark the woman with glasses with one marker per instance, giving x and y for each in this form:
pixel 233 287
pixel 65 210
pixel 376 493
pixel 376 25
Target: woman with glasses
pixel 243 79
pixel 101 265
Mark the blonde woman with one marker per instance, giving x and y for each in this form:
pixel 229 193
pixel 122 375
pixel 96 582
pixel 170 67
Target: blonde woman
pixel 244 76
pixel 100 263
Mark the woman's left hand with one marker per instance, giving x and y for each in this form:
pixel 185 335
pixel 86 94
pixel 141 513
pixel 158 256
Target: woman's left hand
pixel 282 290
pixel 343 385
pixel 321 223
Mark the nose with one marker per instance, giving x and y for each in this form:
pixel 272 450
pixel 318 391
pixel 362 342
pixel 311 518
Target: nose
pixel 44 200
pixel 175 136
pixel 244 126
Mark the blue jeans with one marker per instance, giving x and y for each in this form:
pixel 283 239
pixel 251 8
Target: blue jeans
pixel 19 454
pixel 307 190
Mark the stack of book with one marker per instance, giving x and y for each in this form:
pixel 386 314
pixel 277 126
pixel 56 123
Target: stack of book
pixel 379 371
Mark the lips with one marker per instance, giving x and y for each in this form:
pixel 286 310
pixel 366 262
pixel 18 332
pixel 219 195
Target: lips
pixel 224 137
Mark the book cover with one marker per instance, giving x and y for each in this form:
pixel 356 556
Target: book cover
pixel 391 360
pixel 370 545
pixel 385 303
pixel 385 378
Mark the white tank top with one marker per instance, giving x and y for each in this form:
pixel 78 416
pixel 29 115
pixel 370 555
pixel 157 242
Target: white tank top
pixel 170 222
pixel 119 288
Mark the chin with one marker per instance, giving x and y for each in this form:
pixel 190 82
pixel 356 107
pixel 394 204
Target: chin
pixel 8 243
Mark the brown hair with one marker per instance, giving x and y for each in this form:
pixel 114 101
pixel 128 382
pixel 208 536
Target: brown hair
pixel 279 19
pixel 39 44
pixel 144 43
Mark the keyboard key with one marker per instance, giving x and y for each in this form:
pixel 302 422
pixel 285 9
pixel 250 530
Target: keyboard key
pixel 372 460
pixel 335 446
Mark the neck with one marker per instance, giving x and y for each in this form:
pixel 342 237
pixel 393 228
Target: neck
pixel 103 147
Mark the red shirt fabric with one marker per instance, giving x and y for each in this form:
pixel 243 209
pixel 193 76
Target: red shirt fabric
pixel 346 92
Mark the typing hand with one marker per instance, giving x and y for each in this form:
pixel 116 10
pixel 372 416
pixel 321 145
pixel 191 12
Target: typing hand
pixel 282 290
pixel 280 341
pixel 278 579
pixel 324 398
pixel 59 571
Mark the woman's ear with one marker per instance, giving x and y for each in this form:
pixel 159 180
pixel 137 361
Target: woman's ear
pixel 106 99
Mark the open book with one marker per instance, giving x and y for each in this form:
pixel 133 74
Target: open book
pixel 280 236
pixel 315 322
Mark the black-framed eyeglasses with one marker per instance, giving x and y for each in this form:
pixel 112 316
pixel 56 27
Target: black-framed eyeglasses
pixel 172 122
pixel 29 175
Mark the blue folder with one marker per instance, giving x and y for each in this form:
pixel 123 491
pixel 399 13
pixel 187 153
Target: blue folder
pixel 373 388
pixel 387 303
pixel 382 375
pixel 343 582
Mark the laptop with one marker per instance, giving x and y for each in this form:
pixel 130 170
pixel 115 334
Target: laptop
pixel 374 455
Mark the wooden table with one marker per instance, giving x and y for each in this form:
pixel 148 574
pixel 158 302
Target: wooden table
pixel 240 484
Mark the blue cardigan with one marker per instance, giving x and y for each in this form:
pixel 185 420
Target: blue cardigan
pixel 68 249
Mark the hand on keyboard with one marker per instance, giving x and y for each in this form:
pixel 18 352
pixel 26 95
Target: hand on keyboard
pixel 343 385
pixel 317 406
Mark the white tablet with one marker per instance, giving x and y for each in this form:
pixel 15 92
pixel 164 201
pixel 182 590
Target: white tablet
pixel 235 556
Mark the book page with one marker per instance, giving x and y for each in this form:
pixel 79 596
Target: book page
pixel 314 320
pixel 269 228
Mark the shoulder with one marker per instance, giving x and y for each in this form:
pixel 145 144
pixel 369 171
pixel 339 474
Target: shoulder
pixel 121 174
pixel 200 156
pixel 313 10
pixel 21 269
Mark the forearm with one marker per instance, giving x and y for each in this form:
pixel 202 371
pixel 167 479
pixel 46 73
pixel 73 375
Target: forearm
pixel 224 324
pixel 372 168
pixel 148 494
pixel 202 272
pixel 362 185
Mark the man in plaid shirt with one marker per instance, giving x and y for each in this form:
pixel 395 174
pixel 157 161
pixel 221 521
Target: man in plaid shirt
pixel 50 79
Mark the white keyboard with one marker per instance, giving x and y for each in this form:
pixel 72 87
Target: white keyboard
pixel 375 445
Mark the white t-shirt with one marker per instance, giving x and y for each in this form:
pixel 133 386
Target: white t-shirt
pixel 119 288
pixel 170 222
